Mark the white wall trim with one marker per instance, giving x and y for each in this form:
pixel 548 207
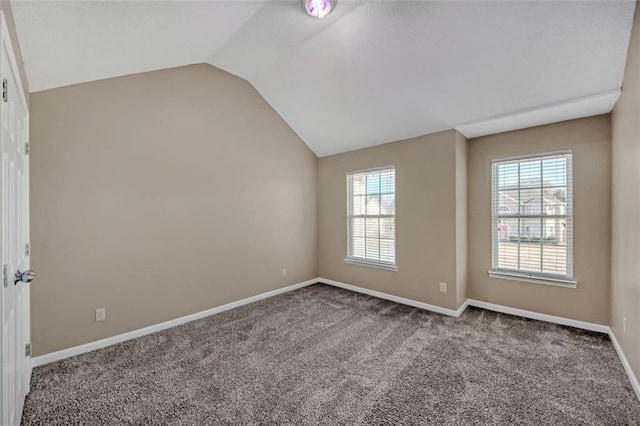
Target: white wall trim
pixel 92 346
pixel 540 317
pixel 533 279
pixel 88 347
pixel 462 308
pixel 397 299
pixel 565 321
pixel 627 367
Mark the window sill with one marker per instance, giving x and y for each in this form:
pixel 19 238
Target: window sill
pixel 358 262
pixel 530 278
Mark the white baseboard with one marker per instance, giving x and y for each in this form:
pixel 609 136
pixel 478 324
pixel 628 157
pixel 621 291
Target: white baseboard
pixel 397 299
pixel 566 321
pixel 92 346
pixel 88 347
pixel 627 367
pixel 462 308
pixel 540 317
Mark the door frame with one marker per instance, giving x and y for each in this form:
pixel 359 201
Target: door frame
pixel 6 41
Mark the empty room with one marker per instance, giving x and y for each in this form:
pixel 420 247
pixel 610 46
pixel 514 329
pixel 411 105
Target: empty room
pixel 304 212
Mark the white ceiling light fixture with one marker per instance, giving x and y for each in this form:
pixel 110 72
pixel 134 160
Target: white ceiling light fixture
pixel 318 8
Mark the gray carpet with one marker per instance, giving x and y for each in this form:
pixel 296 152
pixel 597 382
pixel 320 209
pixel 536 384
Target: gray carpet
pixel 322 355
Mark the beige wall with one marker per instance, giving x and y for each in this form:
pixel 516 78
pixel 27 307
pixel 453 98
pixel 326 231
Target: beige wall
pixel 625 249
pixel 590 141
pixel 151 193
pixel 426 197
pixel 161 194
pixel 5 7
pixel 461 219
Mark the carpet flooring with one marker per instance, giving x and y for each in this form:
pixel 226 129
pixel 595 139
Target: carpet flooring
pixel 323 355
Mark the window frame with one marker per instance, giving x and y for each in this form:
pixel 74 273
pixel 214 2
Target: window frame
pixel 354 260
pixel 563 280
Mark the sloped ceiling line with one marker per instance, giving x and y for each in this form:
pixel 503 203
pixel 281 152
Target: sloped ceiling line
pixel 370 72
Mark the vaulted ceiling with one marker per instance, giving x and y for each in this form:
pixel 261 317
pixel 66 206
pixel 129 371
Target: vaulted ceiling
pixel 370 72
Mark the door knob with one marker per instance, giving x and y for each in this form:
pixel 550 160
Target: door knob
pixel 24 277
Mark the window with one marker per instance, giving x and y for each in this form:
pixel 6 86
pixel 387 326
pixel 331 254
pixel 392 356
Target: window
pixel 371 223
pixel 533 217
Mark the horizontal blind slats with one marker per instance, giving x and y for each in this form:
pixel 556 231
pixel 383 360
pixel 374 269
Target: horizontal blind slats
pixel 371 215
pixel 532 215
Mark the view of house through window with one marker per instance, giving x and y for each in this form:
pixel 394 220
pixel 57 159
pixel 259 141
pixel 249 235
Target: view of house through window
pixel 371 216
pixel 532 215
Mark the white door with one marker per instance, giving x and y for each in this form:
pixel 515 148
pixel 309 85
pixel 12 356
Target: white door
pixel 16 360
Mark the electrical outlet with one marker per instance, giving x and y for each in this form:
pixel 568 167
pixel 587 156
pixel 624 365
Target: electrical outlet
pixel 284 272
pixel 624 324
pixel 443 287
pixel 101 314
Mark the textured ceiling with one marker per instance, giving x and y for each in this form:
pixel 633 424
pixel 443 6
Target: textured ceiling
pixel 370 72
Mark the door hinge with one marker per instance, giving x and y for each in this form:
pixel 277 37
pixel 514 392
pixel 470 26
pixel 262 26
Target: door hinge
pixel 27 249
pixel 26 148
pixel 5 275
pixel 5 90
pixel 27 349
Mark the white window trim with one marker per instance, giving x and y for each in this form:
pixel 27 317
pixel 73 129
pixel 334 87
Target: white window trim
pixel 529 276
pixel 533 278
pixel 371 264
pixel 358 261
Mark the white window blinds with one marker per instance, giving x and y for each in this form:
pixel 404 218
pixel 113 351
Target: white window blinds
pixel 371 210
pixel 533 215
